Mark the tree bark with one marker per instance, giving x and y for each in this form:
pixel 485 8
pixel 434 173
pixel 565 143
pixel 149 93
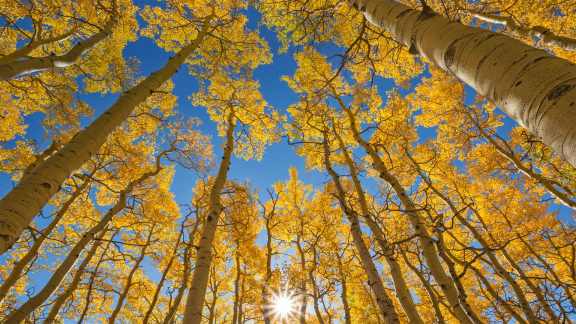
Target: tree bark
pixel 34 302
pixel 457 302
pixel 193 312
pixel 16 68
pixel 21 264
pixel 402 291
pixel 158 290
pixel 533 87
pixel 185 274
pixel 344 293
pixel 61 299
pixel 130 278
pixel 26 200
pixel 383 301
pixel 544 35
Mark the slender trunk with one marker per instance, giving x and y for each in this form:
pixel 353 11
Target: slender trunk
pixel 402 291
pixel 535 289
pixel 34 302
pixel 549 269
pixel 34 44
pixel 158 290
pixel 429 290
pixel 303 290
pixel 563 194
pixel 494 296
pixel 16 68
pixel 544 35
pixel 495 263
pixel 212 306
pixel 457 301
pixel 59 302
pixel 21 264
pixel 26 200
pixel 92 280
pixel 315 292
pixel 130 278
pixel 193 313
pixel 344 293
pixel 185 274
pixel 534 88
pixel 266 285
pixel 236 307
pixel 383 301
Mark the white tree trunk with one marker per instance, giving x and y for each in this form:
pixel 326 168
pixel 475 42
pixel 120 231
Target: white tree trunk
pixel 26 200
pixel 18 315
pixel 533 87
pixel 195 301
pixel 383 301
pixel 402 291
pixel 16 68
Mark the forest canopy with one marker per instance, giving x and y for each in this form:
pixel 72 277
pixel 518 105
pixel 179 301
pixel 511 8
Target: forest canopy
pixel 287 161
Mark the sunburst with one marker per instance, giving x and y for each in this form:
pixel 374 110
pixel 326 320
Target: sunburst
pixel 283 305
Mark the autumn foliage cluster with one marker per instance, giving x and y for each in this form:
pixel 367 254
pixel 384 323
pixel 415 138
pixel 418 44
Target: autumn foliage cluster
pixel 435 205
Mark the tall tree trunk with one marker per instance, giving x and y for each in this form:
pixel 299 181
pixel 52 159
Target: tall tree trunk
pixel 15 68
pixel 158 290
pixel 402 291
pixel 494 262
pixel 185 274
pixel 344 293
pixel 59 302
pixel 21 264
pixel 494 295
pixel 26 200
pixel 236 305
pixel 193 312
pixel 34 302
pixel 429 289
pixel 268 277
pixel 93 277
pixel 560 192
pixel 457 301
pixel 533 87
pixel 315 291
pixel 303 291
pixel 130 278
pixel 383 301
pixel 545 36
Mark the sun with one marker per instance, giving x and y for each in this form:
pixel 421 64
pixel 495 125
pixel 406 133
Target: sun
pixel 283 305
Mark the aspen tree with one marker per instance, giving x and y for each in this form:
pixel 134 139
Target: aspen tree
pixel 129 280
pixel 22 312
pixel 382 299
pixel 402 291
pixel 531 86
pixel 21 204
pixel 18 267
pixel 12 67
pixel 61 299
pixel 233 104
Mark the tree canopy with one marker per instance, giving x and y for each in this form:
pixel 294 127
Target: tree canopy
pixel 283 161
